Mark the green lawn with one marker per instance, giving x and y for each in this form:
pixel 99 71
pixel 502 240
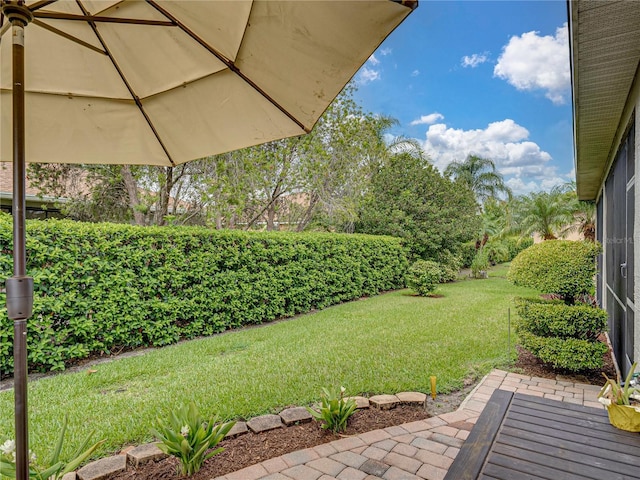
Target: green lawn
pixel 385 344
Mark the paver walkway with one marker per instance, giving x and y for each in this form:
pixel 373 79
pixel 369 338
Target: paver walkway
pixel 418 450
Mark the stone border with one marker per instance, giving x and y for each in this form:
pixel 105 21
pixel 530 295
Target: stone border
pixel 135 456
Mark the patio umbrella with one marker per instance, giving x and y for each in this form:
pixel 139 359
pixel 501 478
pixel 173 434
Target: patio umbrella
pixel 161 82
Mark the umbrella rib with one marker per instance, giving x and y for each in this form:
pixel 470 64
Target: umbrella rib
pixel 42 3
pixel 102 19
pixel 230 65
pixel 67 36
pixel 136 99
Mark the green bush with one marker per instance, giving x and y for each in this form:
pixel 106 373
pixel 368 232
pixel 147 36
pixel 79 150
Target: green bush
pixel 562 333
pixel 497 251
pixel 515 245
pixel 480 263
pixel 567 353
pixel 467 252
pixel 557 266
pixel 555 319
pixel 450 264
pixel 423 276
pixel 100 288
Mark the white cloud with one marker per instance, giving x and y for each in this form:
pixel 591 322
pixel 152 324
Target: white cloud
pixel 545 180
pixel 368 75
pixel 524 165
pixel 474 60
pixel 506 131
pixel 428 119
pixel 415 73
pixel 386 51
pixel 533 62
pixel 373 60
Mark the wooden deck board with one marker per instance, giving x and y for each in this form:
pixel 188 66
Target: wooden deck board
pixel 522 465
pixel 501 473
pixel 593 458
pixel 550 425
pixel 582 436
pixel 556 414
pixel 476 447
pixel 588 446
pixel 531 438
pixel 557 461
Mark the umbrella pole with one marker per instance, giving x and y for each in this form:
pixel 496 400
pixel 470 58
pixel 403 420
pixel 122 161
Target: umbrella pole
pixel 19 288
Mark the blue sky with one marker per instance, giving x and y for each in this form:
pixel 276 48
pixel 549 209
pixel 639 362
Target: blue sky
pixel 484 78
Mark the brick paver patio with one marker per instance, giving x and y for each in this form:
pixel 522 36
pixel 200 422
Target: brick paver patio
pixel 413 451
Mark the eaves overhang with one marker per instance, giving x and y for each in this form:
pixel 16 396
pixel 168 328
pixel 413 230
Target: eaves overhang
pixel 605 55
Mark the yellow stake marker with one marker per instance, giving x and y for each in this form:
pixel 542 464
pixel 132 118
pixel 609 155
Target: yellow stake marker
pixel 433 387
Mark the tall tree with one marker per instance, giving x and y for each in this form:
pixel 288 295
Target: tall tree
pixel 273 173
pixel 313 180
pixel 224 188
pixel 337 162
pixel 409 198
pixel 120 193
pixel 91 193
pixel 481 176
pixel 319 178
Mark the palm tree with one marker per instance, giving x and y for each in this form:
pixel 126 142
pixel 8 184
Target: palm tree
pixel 584 212
pixel 494 221
pixel 586 218
pixel 481 177
pixel 549 214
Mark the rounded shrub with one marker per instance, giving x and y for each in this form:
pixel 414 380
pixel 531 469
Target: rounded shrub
pixel 562 267
pixel 423 276
pixel 571 354
pixel 555 319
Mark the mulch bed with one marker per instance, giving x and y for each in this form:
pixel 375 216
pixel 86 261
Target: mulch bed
pixel 527 364
pixel 252 448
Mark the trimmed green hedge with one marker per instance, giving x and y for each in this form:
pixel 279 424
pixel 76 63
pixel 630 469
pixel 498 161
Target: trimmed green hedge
pixel 565 336
pixel 555 319
pixel 557 266
pixel 568 353
pixel 103 287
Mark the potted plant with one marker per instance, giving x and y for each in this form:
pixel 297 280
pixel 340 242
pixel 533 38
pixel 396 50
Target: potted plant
pixel 622 402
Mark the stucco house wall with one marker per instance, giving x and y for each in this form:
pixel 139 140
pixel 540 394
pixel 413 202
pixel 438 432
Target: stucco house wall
pixel 605 74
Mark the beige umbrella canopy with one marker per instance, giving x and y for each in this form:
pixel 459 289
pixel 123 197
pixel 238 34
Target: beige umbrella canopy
pixel 162 82
pixel 165 82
